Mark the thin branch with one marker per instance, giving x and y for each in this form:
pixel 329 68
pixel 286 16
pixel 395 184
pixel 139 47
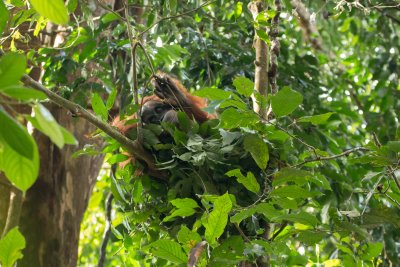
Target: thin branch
pixel 106 7
pixel 242 233
pixel 132 146
pixel 107 229
pixel 345 153
pixel 14 210
pixel 175 16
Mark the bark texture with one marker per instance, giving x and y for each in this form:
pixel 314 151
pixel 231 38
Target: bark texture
pixel 54 207
pixel 261 62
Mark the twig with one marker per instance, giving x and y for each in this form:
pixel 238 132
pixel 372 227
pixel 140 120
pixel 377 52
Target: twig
pixel 175 16
pixel 107 230
pixel 133 147
pixel 242 233
pixel 345 153
pixel 106 7
pixel 392 199
pixel 14 210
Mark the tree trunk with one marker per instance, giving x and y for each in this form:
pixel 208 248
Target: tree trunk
pixel 54 207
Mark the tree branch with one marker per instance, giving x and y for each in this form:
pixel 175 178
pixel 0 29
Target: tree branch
pixel 132 146
pixel 345 153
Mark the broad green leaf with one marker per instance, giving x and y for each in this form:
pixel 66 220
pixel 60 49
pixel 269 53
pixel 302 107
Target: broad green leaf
pixel 238 9
pixel 316 119
pixel 249 181
pixel 11 246
pixel 111 99
pixel 218 218
pixel 188 238
pixel 394 146
pixel 98 107
pixel 229 253
pixel 285 101
pixel 213 93
pixel 184 207
pixel 48 125
pixel 310 237
pixel 168 250
pixel 12 67
pixel 21 171
pixel 371 250
pixel 292 191
pixel 3 17
pixel 242 215
pixel 285 175
pixel 22 93
pixel 184 203
pixel 302 217
pixel 233 118
pixel 54 10
pixel 268 210
pixel 258 150
pixel 69 138
pixel 332 263
pixel 263 36
pixel 117 158
pixel 16 136
pixel 244 86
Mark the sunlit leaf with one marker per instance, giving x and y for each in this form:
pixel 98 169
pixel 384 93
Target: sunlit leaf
pixel 11 246
pixel 285 101
pixel 48 125
pixel 168 250
pixel 22 93
pixel 316 119
pixel 54 10
pixel 12 67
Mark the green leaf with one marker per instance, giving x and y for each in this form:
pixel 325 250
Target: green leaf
pixel 249 181
pixel 12 67
pixel 98 107
pixel 229 253
pixel 285 175
pixel 244 86
pixel 48 125
pixel 3 17
pixel 21 171
pixel 302 217
pixel 285 101
pixel 233 118
pixel 11 246
pixel 292 191
pixel 188 238
pixel 184 207
pixel 212 93
pixel 263 36
pixel 268 210
pixel 16 136
pixel 371 250
pixel 218 218
pixel 311 238
pixel 242 215
pixel 22 93
pixel 184 203
pixel 258 150
pixel 69 138
pixel 394 146
pixel 111 98
pixel 316 119
pixel 238 9
pixel 54 10
pixel 168 250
